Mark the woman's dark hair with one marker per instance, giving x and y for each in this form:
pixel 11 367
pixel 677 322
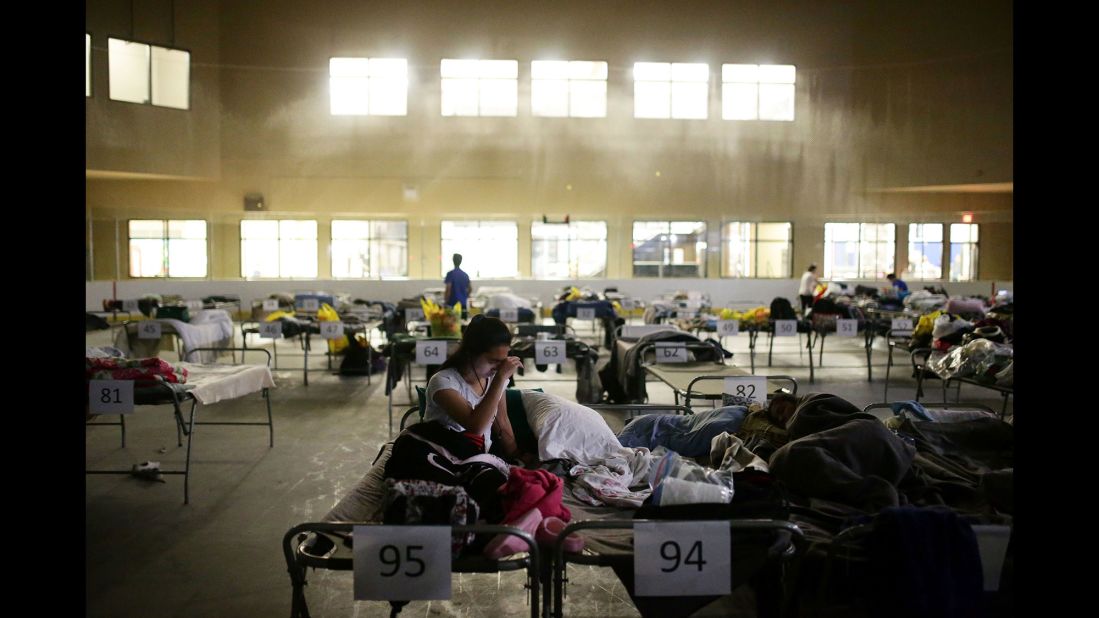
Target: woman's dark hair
pixel 482 334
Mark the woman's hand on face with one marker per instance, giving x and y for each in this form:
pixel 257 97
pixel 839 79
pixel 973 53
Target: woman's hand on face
pixel 508 367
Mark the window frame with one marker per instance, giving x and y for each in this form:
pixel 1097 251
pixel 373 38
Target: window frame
pixel 702 266
pixel 755 249
pixel 149 100
pixel 914 274
pixel 369 78
pixel 369 240
pixel 316 248
pixel 444 257
pixel 975 247
pixel 757 84
pixel 860 243
pixel 165 239
pixel 671 82
pixel 570 240
pixel 479 79
pixel 568 87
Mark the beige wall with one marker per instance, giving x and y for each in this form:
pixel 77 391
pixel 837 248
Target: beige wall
pixel 868 118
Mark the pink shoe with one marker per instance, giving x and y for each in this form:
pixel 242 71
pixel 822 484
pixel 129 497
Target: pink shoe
pixel 508 544
pixel 550 530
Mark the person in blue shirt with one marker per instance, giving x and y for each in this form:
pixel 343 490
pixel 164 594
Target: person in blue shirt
pixel 458 287
pixel 902 287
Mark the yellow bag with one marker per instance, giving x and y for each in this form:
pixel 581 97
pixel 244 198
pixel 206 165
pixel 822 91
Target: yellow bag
pixel 926 324
pixel 327 314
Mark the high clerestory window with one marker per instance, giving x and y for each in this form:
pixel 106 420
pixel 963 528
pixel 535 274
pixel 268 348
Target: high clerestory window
pixel 562 88
pixel 142 73
pixel 167 248
pixel 480 87
pixel 368 86
pixel 671 90
pixel 757 91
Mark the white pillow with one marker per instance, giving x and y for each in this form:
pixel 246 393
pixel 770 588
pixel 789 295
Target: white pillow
pixel 569 430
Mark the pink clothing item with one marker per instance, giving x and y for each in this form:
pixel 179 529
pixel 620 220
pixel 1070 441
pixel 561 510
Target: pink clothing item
pixel 528 489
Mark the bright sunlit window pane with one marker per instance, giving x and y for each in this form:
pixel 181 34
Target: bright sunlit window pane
pixel 573 250
pixel 87 65
pixel 858 250
pixel 764 92
pixel 669 249
pixel 369 249
pixel 171 77
pixel 757 250
pixel 278 249
pixel 489 249
pixel 172 248
pixel 963 251
pixel 128 71
pixel 671 90
pixel 576 88
pixel 368 86
pixel 925 251
pixel 479 87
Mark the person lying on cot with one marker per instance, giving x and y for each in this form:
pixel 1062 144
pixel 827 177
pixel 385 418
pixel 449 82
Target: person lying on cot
pixel 467 393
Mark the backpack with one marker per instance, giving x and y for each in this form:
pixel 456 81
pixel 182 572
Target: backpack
pixel 781 309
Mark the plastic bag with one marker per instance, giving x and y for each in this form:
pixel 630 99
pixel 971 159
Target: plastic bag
pixel 981 359
pixel 677 480
pixel 327 314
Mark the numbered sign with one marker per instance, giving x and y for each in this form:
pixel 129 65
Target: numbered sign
pixel 148 330
pixel 585 313
pixel 271 304
pixel 310 304
pixel 509 315
pixel 270 330
pixel 846 327
pixel 671 352
pixel 786 328
pixel 430 352
pixel 130 306
pixel 694 295
pixel 401 563
pixel 332 330
pixel 111 396
pixel 640 330
pixel 901 326
pixel 412 314
pixel 752 388
pixel 194 305
pixel 681 558
pixel 728 328
pixel 549 352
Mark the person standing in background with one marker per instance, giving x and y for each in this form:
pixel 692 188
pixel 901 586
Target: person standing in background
pixel 458 286
pixel 807 287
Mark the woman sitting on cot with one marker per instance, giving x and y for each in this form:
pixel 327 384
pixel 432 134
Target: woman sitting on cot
pixel 467 393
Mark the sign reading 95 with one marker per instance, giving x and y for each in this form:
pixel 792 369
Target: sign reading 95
pixel 681 558
pixel 401 563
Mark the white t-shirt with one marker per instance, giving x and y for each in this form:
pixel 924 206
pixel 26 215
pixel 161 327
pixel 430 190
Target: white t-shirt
pixel 453 380
pixel 808 285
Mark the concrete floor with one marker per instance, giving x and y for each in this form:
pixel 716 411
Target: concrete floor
pixel 148 554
